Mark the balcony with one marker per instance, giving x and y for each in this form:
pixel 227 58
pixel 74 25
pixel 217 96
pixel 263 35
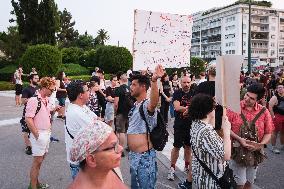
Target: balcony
pixel 259 36
pixel 260 47
pixel 259 21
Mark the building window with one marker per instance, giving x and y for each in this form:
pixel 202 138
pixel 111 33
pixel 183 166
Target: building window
pixel 272 52
pixel 272 44
pixel 233 51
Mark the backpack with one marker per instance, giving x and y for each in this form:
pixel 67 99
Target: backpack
pixel 159 135
pixel 23 121
pixel 242 155
pixel 128 100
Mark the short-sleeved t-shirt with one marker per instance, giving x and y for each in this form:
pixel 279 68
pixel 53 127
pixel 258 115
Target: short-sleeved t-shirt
pixel 29 91
pixel 110 91
pixel 42 118
pixel 120 92
pixel 136 124
pixel 184 99
pixel 77 117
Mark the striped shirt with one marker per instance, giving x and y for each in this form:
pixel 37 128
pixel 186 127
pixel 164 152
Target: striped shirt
pixel 209 148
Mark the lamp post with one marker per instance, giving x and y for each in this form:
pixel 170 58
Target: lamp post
pixel 249 39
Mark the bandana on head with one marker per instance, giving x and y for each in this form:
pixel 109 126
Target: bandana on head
pixel 88 140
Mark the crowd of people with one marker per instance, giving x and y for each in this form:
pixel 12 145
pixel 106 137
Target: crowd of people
pixel 103 123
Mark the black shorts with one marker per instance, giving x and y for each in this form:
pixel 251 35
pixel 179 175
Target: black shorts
pixel 181 136
pixel 18 89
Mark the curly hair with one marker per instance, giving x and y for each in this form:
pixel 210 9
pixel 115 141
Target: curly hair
pixel 47 82
pixel 201 105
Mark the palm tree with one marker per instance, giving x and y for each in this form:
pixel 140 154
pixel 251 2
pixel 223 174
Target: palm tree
pixel 102 37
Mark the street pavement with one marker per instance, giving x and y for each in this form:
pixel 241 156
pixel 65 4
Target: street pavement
pixel 15 164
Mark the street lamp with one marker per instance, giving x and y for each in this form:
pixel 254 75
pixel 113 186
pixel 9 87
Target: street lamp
pixel 249 39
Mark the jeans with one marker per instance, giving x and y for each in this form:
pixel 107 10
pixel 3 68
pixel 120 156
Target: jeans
pixel 143 170
pixel 74 170
pixel 172 110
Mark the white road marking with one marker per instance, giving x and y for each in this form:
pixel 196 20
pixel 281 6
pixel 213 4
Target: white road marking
pixel 8 122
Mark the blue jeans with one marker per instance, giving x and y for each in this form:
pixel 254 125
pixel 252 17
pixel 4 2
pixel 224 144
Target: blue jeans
pixel 172 110
pixel 143 170
pixel 74 170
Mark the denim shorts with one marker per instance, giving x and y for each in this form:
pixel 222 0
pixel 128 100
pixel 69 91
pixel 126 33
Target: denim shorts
pixel 74 170
pixel 143 170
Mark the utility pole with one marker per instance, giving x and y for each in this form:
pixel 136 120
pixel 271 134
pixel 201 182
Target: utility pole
pixel 249 39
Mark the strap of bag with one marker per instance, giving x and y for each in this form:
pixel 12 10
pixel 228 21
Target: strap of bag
pixel 244 120
pixel 71 136
pixel 258 115
pixel 206 168
pixel 142 114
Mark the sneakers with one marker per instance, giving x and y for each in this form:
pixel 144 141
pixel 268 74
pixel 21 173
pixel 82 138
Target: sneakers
pixel 171 174
pixel 28 150
pixel 185 185
pixel 40 186
pixel 53 139
pixel 275 150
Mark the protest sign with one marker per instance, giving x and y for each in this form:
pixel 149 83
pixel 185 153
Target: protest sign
pixel 227 83
pixel 161 38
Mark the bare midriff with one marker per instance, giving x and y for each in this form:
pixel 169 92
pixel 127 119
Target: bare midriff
pixel 138 142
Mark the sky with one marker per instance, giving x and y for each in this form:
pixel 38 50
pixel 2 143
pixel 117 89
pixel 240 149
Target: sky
pixel 117 16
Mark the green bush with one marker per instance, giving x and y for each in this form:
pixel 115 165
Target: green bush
pixel 71 55
pixel 113 59
pixel 73 69
pixel 82 77
pixel 7 73
pixel 45 58
pixel 89 59
pixel 7 86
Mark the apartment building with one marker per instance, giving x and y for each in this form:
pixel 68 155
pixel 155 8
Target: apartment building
pixel 222 31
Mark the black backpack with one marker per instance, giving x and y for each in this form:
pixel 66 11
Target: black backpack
pixel 128 100
pixel 159 135
pixel 22 120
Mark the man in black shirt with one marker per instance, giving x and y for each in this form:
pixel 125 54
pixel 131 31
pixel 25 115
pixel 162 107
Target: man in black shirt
pixel 27 93
pixel 122 106
pixel 181 101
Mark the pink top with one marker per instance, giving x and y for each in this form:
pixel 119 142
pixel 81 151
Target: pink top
pixel 42 118
pixel 264 124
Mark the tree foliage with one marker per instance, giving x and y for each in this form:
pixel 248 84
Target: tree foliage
pixel 10 43
pixel 37 22
pixel 197 65
pixel 85 41
pixel 67 34
pixel 102 37
pixel 89 59
pixel 113 59
pixel 71 55
pixel 45 58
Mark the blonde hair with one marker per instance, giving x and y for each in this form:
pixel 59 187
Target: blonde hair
pixel 47 82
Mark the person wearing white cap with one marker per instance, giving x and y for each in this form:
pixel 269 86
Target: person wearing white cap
pixel 97 149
